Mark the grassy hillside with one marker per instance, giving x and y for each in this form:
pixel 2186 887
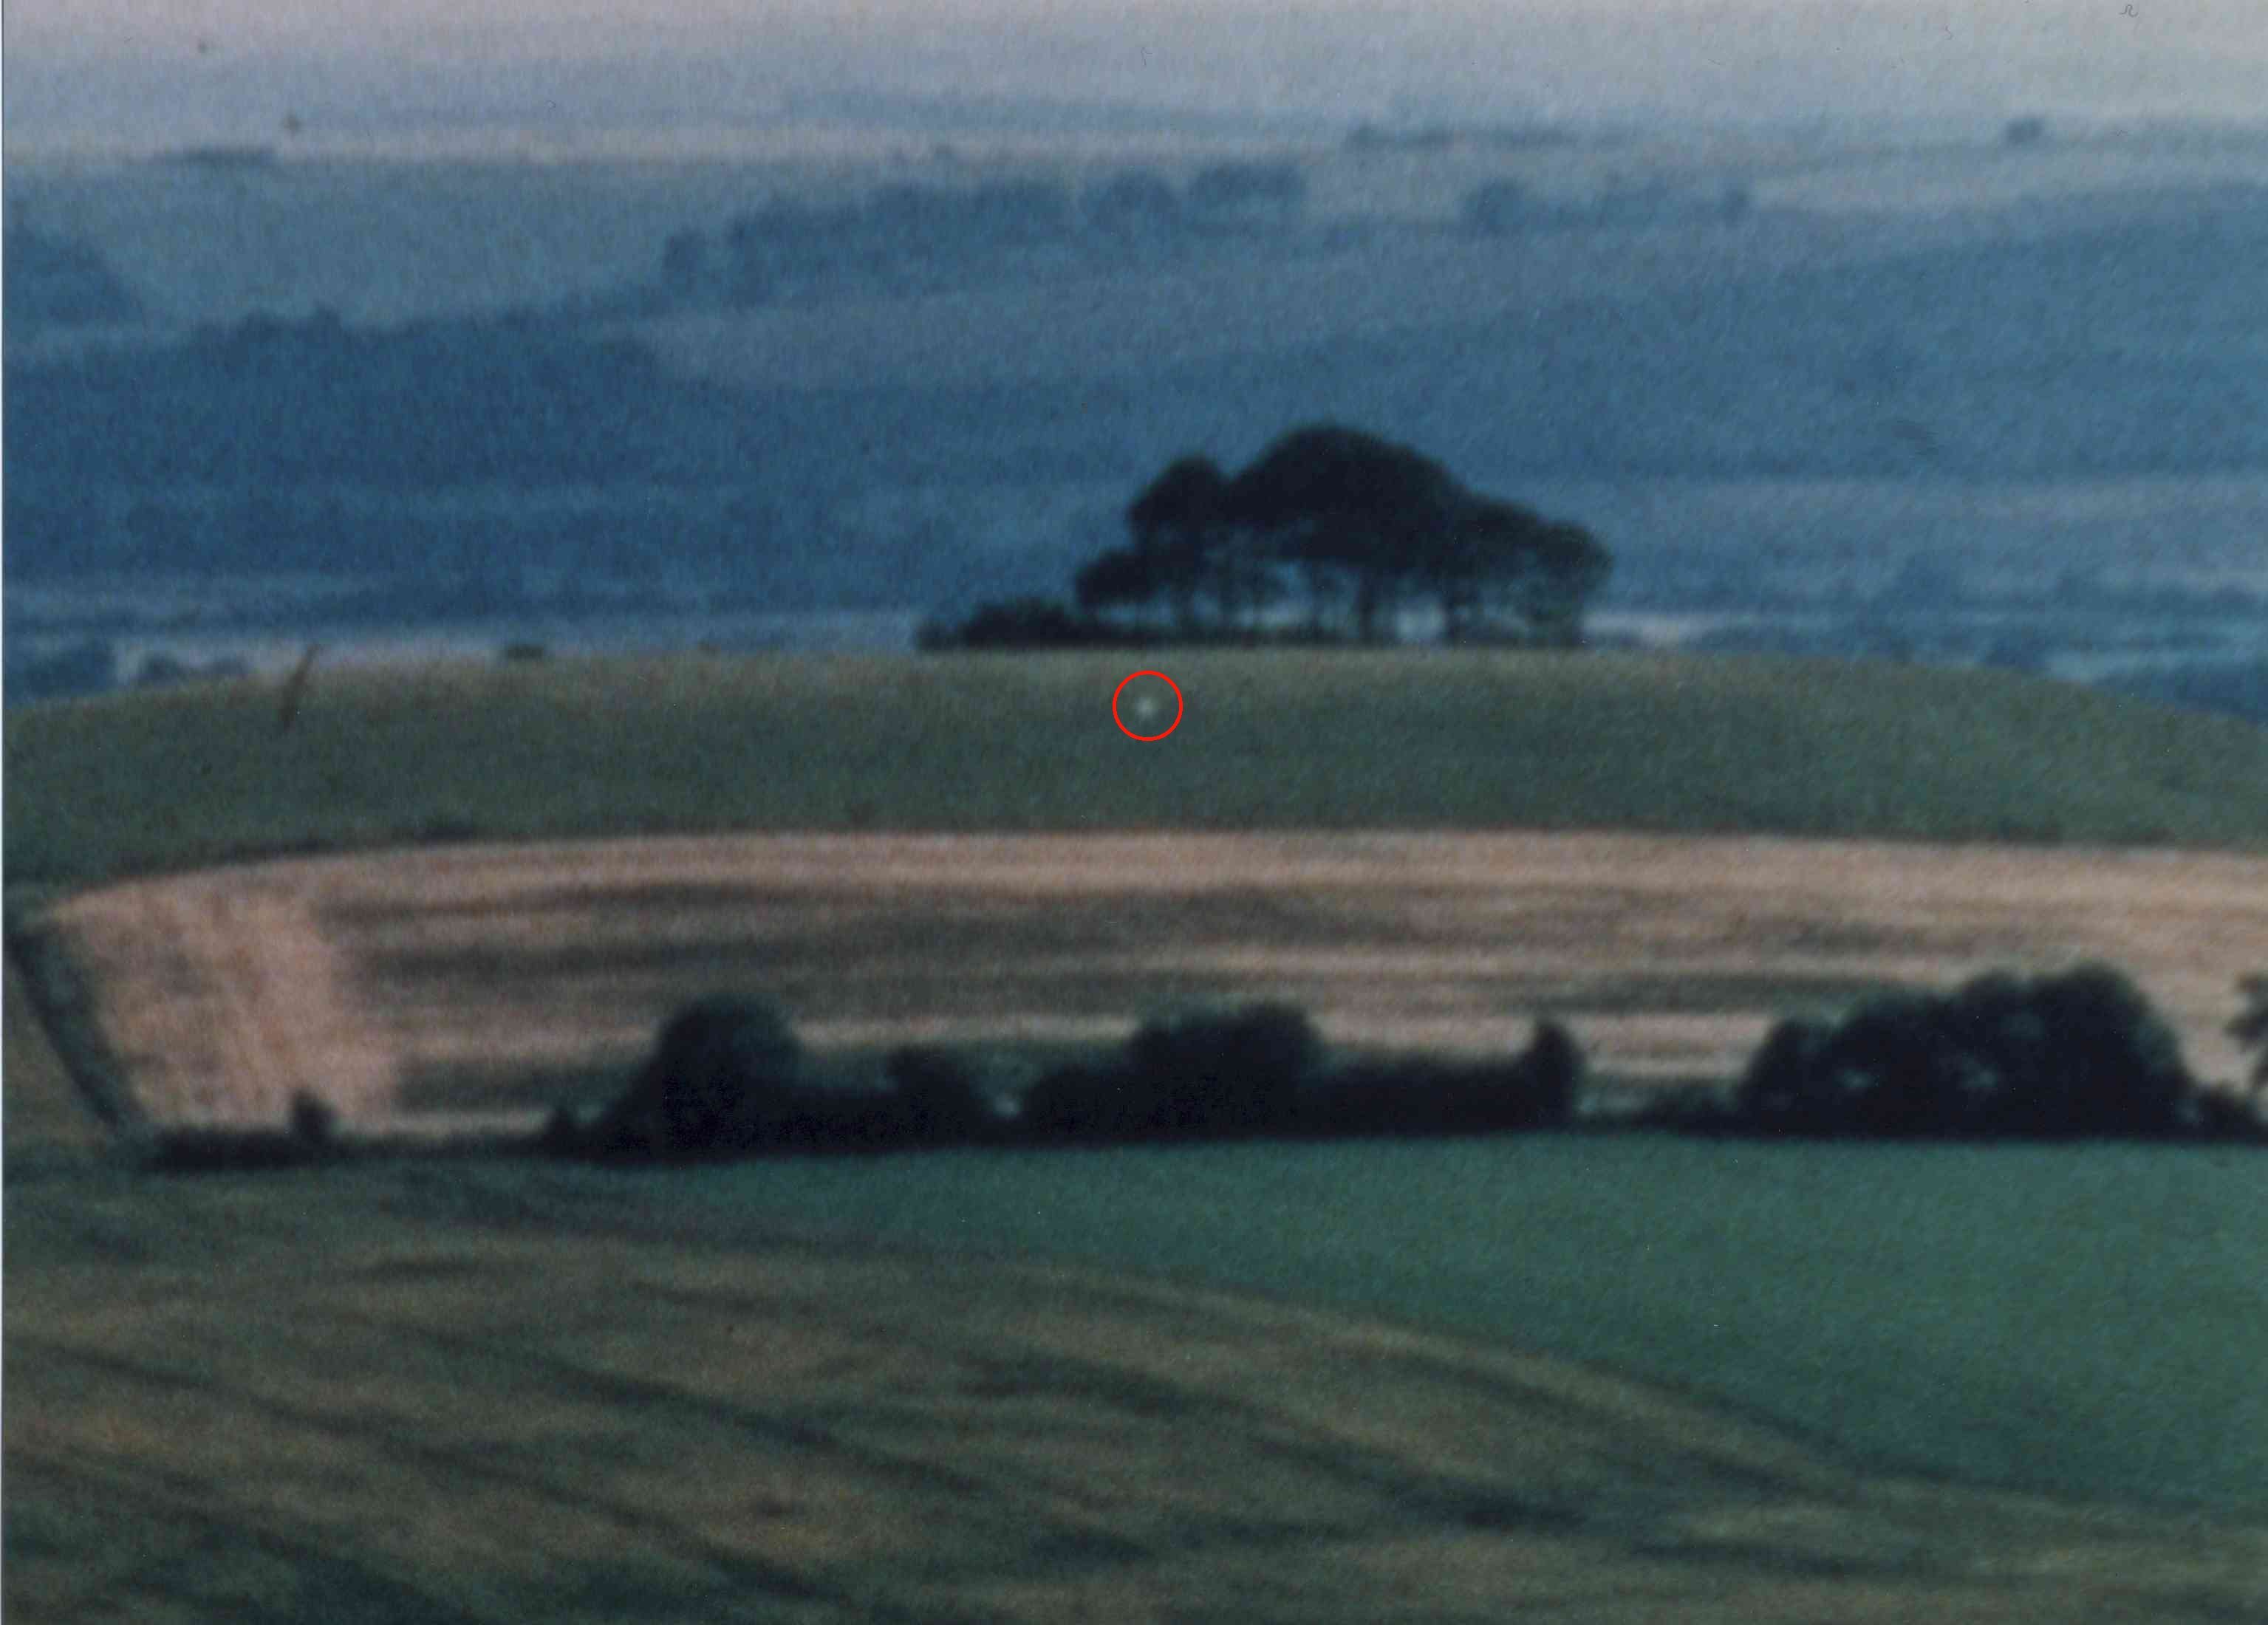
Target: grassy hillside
pixel 490 1393
pixel 1412 738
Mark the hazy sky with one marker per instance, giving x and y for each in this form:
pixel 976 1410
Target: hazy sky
pixel 1716 58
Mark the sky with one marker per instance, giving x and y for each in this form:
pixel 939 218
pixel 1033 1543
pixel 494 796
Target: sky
pixel 96 65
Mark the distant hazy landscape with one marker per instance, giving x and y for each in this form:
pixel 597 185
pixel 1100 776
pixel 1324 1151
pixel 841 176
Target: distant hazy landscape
pixel 1980 401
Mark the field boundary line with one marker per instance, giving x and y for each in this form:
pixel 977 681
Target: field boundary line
pixel 61 1002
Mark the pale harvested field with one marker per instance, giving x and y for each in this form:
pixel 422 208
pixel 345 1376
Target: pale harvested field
pixel 457 978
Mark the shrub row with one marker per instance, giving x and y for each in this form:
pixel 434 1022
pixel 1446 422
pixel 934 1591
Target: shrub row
pixel 2081 1054
pixel 309 1136
pixel 724 1080
pixel 2078 1053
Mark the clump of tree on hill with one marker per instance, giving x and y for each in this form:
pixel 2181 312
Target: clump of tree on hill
pixel 1329 534
pixel 725 1080
pixel 2081 1054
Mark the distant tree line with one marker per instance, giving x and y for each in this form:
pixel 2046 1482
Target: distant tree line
pixel 267 401
pixel 724 1079
pixel 1504 207
pixel 1336 527
pixel 789 241
pixel 2076 1055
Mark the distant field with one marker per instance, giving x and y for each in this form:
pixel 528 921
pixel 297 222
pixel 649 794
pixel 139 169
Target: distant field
pixel 1142 319
pixel 497 1393
pixel 1407 280
pixel 1414 740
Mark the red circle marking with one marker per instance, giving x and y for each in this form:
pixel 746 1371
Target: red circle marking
pixel 1180 706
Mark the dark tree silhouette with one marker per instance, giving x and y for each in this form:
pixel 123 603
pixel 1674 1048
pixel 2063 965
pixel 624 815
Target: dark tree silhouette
pixel 2082 1053
pixel 1234 1072
pixel 722 1077
pixel 1358 520
pixel 2250 1029
pixel 1340 502
pixel 1122 579
pixel 1565 568
pixel 938 1096
pixel 1177 526
pixel 1470 561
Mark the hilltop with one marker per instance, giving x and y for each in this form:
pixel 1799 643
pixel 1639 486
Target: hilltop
pixel 1411 739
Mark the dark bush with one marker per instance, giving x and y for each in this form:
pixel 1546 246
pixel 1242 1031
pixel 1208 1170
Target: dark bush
pixel 1787 1087
pixel 722 1077
pixel 1553 1068
pixel 1082 1103
pixel 2111 1064
pixel 2250 1029
pixel 563 1132
pixel 1238 1072
pixel 2077 1054
pixel 1417 1094
pixel 313 1121
pixel 1400 1094
pixel 308 1135
pixel 938 1096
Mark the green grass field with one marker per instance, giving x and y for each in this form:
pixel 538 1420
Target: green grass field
pixel 1422 738
pixel 2079 1320
pixel 481 1392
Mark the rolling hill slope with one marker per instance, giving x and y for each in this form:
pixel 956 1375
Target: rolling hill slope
pixel 1420 739
pixel 268 1398
pixel 479 1393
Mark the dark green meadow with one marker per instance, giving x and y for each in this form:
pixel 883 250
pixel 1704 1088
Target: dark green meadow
pixel 1425 738
pixel 2080 1321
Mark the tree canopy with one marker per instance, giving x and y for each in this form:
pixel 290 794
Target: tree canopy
pixel 1362 524
pixel 1357 525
